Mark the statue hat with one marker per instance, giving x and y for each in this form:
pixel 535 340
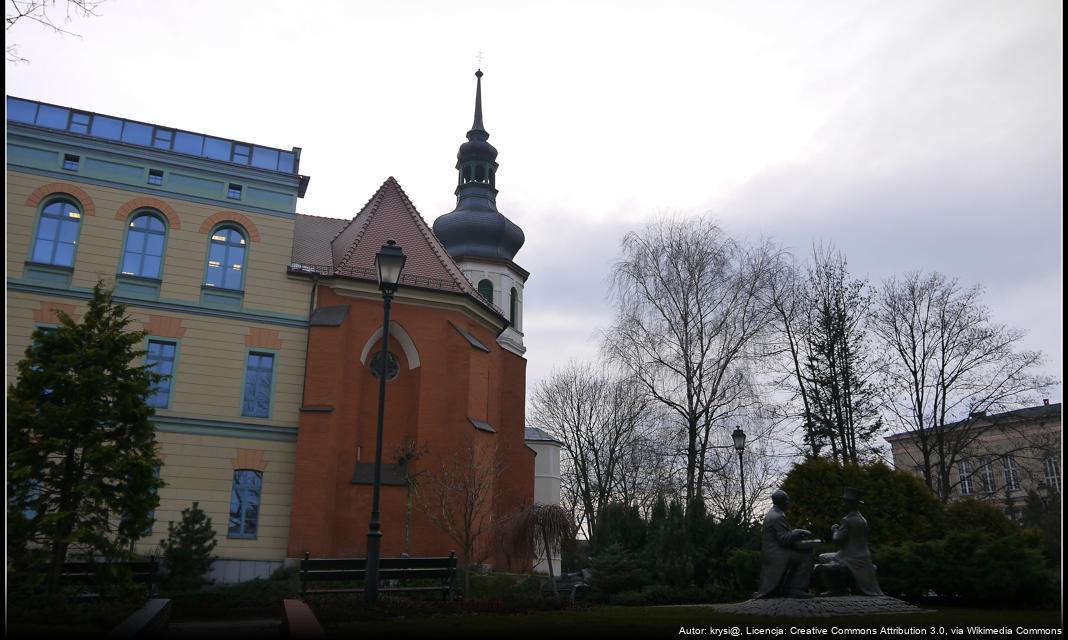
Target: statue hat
pixel 850 493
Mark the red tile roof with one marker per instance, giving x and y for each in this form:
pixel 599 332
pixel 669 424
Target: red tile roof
pixel 338 247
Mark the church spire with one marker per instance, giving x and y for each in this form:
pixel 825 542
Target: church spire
pixel 475 228
pixel 477 127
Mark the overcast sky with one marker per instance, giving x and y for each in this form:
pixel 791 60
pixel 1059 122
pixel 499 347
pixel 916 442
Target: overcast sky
pixel 912 135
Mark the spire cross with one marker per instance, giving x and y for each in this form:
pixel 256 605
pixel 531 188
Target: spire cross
pixel 480 58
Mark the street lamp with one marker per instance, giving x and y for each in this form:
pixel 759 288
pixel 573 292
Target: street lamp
pixel 389 262
pixel 739 445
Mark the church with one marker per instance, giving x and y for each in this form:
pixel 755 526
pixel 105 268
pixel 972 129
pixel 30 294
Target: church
pixel 268 326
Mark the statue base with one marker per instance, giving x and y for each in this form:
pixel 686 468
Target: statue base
pixel 820 606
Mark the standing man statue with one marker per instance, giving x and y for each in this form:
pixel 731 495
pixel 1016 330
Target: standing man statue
pixel 850 566
pixel 785 568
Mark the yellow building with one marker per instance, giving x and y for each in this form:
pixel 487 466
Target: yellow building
pixel 195 234
pixel 1007 454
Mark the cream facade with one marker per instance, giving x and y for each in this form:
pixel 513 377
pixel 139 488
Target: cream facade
pixel 1009 455
pixel 205 432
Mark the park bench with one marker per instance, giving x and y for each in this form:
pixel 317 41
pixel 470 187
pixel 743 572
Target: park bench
pixel 570 584
pixel 89 574
pixel 440 571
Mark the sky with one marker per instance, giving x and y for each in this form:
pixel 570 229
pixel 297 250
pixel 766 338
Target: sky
pixel 910 135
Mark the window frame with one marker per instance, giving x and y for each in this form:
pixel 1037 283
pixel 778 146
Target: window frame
pixel 482 293
pixel 1010 472
pixel 987 478
pixel 126 243
pixel 274 377
pixel 244 265
pixel 964 468
pixel 45 203
pixel 242 534
pixel 1051 468
pixel 174 368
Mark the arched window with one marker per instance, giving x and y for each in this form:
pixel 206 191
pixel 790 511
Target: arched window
pixel 226 258
pixel 485 289
pixel 145 237
pixel 57 234
pixel 245 503
pixel 513 306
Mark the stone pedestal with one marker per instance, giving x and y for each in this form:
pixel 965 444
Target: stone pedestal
pixel 820 607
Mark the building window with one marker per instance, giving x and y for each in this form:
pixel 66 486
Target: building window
pixel 155 176
pixel 145 237
pixel 1053 473
pixel 79 122
pixel 513 306
pixel 392 365
pixel 986 475
pixel 245 503
pixel 233 191
pixel 71 161
pixel 965 468
pixel 258 376
pixel 1008 465
pixel 57 234
pixel 485 289
pixel 226 259
pixel 241 153
pixel 160 358
pixel 162 138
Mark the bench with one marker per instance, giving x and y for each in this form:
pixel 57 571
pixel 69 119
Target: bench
pixel 441 570
pixel 569 583
pixel 89 573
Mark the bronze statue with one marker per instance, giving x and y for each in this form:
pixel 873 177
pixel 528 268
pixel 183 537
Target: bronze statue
pixel 849 568
pixel 785 565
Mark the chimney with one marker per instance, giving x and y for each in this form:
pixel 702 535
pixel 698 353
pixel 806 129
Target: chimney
pixel 1045 402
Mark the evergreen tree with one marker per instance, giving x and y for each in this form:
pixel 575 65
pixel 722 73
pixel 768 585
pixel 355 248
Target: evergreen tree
pixel 187 549
pixel 81 449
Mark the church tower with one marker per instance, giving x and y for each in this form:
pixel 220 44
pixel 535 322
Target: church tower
pixel 481 240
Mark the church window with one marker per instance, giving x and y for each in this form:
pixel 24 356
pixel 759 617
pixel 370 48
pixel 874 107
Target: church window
pixel 480 173
pixel 392 365
pixel 485 289
pixel 513 306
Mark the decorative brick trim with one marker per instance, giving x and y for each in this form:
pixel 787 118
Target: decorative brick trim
pixel 231 216
pixel 250 459
pixel 47 313
pixel 165 326
pixel 263 338
pixel 150 203
pixel 52 188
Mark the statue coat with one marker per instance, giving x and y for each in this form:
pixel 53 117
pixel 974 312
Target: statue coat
pixel 776 550
pixel 851 536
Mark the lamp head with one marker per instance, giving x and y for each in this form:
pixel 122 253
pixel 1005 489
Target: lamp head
pixel 389 262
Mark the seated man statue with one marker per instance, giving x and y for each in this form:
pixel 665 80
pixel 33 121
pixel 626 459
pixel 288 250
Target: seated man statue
pixel 849 568
pixel 785 568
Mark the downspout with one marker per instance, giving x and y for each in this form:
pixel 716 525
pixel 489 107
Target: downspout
pixel 307 338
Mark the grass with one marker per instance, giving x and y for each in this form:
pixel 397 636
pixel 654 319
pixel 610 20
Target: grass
pixel 668 622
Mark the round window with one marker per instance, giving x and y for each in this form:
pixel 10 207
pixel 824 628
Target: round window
pixel 392 365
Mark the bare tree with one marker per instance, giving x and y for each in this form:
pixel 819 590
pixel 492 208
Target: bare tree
pixel 406 456
pixel 946 366
pixel 42 12
pixel 458 496
pixel 599 420
pixel 689 301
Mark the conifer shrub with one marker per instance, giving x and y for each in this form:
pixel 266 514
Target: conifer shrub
pixel 187 550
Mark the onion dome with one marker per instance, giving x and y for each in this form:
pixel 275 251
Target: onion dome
pixel 475 229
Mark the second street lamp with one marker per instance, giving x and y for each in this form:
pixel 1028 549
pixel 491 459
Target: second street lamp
pixel 739 444
pixel 389 262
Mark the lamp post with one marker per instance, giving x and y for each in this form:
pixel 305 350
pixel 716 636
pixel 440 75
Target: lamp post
pixel 389 261
pixel 739 445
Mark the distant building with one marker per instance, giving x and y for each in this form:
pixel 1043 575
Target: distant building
pixel 1010 454
pixel 268 324
pixel 546 479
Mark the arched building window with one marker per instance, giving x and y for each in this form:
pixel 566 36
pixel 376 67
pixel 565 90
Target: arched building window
pixel 226 258
pixel 513 307
pixel 146 236
pixel 485 289
pixel 57 233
